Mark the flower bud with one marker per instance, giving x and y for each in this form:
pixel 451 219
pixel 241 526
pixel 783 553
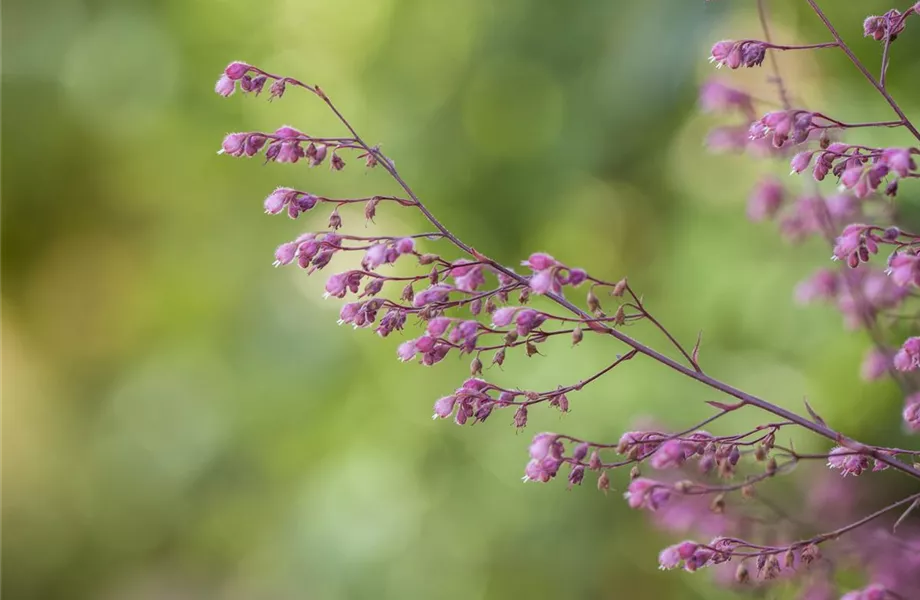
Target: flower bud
pixel 742 575
pixel 603 482
pixel 594 305
pixel 594 463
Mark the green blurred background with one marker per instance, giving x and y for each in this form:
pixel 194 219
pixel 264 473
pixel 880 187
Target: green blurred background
pixel 183 421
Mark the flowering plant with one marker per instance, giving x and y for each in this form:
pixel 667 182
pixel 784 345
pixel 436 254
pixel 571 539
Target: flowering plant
pixel 477 306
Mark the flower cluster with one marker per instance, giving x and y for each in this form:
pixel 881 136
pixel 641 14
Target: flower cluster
pixel 473 305
pixel 746 53
pixel 888 26
pixel 858 168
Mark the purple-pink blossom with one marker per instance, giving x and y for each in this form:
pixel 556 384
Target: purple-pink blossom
pixel 907 358
pixel 904 269
pixel 672 556
pixel 911 412
pixel 765 200
pixel 646 493
pixel 847 461
pixel 875 365
pixel 670 454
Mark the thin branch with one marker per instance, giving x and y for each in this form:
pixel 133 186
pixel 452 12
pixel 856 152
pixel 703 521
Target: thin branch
pixel 744 397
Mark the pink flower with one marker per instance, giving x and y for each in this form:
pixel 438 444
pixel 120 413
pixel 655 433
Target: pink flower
pixel 289 152
pixel 539 261
pixel 275 201
pixel 823 285
pixel 669 558
pixel 874 365
pixel 851 176
pixel 348 312
pixel 843 207
pixel 904 269
pixel 444 407
pixel 646 493
pixel 716 96
pixel 502 317
pixel 527 320
pixel 225 86
pixel 801 161
pixel 437 326
pixel 535 471
pixel 720 52
pixel 474 384
pixel 899 160
pixel 765 199
pixel 405 245
pixel 288 132
pixel 285 253
pixel 470 279
pixel 542 445
pixel 908 357
pixel 727 139
pixel 846 461
pixel 576 277
pixel 875 591
pixel 669 454
pixel 783 125
pixel 406 351
pixel 425 343
pixel 336 285
pixel 543 282
pixel 912 412
pixel 435 294
pixel 647 442
pixel 233 144
pixel 849 241
pixel 700 558
pixel 874 27
pixel 236 70
pixel 317 157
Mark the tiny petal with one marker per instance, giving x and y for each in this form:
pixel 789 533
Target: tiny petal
pixel 233 144
pixel 406 351
pixel 444 407
pixel 765 200
pixel 285 253
pixel 502 317
pixel 437 326
pixel 911 412
pixel 542 282
pixel 405 245
pixel 846 461
pixel 540 261
pixel 541 445
pixel 577 277
pixel 874 365
pixel 225 86
pixel 275 201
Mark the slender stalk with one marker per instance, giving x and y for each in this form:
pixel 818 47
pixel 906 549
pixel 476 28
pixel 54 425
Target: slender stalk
pixel 762 15
pixel 871 517
pixel 885 51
